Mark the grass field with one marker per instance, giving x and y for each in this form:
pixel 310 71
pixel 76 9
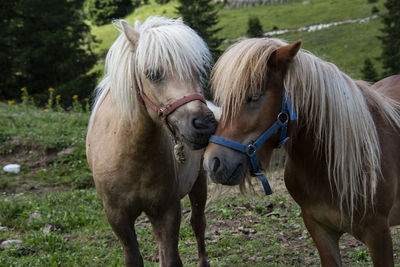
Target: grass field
pixel 54 209
pixel 346 45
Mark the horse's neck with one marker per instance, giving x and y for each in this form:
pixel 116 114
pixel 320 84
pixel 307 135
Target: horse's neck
pixel 141 137
pixel 302 153
pixel 150 137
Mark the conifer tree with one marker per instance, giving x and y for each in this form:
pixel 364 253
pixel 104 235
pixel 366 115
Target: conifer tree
pixel 202 16
pixel 104 11
pixel 391 38
pixel 368 71
pixel 254 28
pixel 47 44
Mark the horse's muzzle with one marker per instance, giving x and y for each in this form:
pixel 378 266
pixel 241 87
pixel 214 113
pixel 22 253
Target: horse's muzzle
pixel 225 166
pixel 201 128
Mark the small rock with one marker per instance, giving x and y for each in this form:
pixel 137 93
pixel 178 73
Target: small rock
pixel 47 228
pixel 13 168
pixel 67 151
pixel 3 228
pixel 9 243
pixel 304 235
pixel 36 215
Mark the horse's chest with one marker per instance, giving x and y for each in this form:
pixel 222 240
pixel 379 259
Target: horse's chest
pixel 315 198
pixel 189 172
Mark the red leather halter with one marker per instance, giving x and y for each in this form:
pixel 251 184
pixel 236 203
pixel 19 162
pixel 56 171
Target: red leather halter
pixel 165 111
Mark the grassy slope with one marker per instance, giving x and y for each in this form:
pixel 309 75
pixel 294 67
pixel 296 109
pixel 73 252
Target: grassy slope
pixel 333 44
pixel 346 45
pixel 292 15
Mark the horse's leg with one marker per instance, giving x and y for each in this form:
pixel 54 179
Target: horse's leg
pixel 326 240
pixel 198 198
pixel 123 225
pixel 379 241
pixel 166 222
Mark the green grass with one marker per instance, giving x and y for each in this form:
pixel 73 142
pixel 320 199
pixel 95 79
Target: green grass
pixel 241 230
pixel 108 33
pixel 233 22
pixel 347 45
pixel 293 15
pixel 34 137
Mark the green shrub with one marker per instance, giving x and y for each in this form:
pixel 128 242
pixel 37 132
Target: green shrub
pixel 254 28
pixel 368 71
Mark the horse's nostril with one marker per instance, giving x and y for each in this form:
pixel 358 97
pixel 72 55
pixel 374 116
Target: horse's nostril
pixel 215 164
pixel 199 124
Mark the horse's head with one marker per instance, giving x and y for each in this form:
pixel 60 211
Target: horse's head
pixel 248 84
pixel 170 60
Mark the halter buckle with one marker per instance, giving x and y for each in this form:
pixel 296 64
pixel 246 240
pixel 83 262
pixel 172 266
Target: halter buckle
pixel 283 117
pixel 250 150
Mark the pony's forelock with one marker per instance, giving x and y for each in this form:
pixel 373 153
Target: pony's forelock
pixel 241 70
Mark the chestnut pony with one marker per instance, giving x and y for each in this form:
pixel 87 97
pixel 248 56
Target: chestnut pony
pixel 343 155
pixel 149 99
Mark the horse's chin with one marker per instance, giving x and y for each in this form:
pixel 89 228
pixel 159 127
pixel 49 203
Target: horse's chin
pixel 194 144
pixel 233 177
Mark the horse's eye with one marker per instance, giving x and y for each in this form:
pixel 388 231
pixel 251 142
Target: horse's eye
pixel 254 97
pixel 154 75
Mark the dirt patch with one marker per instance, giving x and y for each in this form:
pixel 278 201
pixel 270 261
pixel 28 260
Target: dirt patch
pixel 32 157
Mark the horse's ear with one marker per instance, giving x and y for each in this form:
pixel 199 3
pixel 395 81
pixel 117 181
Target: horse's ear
pixel 285 54
pixel 130 33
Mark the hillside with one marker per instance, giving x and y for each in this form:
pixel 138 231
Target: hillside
pixel 346 45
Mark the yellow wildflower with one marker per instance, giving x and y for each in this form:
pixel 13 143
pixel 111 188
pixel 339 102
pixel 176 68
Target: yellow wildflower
pixel 58 96
pixel 86 99
pixel 51 89
pixel 75 97
pixel 23 97
pixel 10 102
pixel 46 109
pixel 23 89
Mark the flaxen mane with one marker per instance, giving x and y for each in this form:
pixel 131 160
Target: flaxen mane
pixel 166 45
pixel 326 99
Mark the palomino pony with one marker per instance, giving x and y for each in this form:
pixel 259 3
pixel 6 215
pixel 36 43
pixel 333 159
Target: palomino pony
pixel 148 100
pixel 343 155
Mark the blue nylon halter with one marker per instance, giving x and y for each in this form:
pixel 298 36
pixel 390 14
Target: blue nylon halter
pixel 281 122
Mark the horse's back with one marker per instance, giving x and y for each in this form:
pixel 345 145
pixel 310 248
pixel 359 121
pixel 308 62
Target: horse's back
pixel 390 145
pixel 390 87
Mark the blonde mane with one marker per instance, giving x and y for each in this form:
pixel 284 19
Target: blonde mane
pixel 164 44
pixel 334 108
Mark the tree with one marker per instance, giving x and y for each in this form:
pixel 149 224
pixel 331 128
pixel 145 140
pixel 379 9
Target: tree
pixel 202 16
pixel 47 45
pixel 254 28
pixel 101 12
pixel 368 71
pixel 391 38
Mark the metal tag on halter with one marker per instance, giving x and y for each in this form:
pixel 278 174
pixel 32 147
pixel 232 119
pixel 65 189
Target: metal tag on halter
pixel 179 152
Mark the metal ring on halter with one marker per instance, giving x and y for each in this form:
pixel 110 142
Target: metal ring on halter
pixel 285 119
pixel 250 150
